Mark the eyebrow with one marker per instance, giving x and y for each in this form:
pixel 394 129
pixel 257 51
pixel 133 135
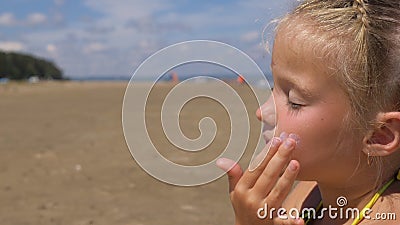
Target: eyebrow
pixel 293 84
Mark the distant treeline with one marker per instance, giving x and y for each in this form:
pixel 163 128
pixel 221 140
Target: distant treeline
pixel 18 66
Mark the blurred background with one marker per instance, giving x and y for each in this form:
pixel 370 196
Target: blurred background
pixel 63 155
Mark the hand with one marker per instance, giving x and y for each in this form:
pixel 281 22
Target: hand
pixel 251 190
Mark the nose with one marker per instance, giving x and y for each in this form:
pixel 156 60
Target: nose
pixel 258 114
pixel 266 113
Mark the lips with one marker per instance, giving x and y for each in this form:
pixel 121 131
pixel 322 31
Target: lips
pixel 268 132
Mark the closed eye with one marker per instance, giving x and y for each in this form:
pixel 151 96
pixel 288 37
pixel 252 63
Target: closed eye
pixel 294 106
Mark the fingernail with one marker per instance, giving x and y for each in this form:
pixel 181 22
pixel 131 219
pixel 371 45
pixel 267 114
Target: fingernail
pixel 225 164
pixel 283 136
pixel 275 142
pixel 292 166
pixel 289 143
pixel 299 221
pixel 295 137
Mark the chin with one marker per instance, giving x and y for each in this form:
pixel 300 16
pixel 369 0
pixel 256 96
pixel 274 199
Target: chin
pixel 304 177
pixel 268 135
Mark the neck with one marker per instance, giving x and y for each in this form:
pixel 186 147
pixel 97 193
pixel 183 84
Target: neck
pixel 357 195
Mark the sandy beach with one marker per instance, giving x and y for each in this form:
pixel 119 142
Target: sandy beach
pixel 64 159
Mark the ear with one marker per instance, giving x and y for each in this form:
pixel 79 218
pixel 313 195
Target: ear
pixel 385 139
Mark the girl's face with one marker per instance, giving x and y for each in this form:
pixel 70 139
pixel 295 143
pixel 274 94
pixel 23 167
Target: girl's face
pixel 310 103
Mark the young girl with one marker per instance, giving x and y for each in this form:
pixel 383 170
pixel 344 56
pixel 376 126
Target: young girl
pixel 336 69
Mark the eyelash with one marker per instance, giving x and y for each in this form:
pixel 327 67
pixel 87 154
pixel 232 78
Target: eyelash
pixel 293 106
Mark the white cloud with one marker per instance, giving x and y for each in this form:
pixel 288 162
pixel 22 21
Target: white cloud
pixel 251 36
pixel 11 46
pixel 7 19
pixel 123 33
pixel 51 48
pixel 94 47
pixel 122 9
pixel 36 19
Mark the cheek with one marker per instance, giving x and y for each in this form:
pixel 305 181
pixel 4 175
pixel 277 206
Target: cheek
pixel 318 127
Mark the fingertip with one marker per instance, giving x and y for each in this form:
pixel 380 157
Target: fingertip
pixel 225 164
pixel 294 165
pixel 295 137
pixel 233 170
pixel 275 142
pixel 292 221
pixel 299 221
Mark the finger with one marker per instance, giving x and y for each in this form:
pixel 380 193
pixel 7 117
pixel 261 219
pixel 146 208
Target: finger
pixel 233 170
pixel 262 156
pixel 284 184
pixel 289 221
pixel 249 178
pixel 272 171
pixel 259 158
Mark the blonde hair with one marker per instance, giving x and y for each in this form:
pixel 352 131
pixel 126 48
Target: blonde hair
pixel 361 39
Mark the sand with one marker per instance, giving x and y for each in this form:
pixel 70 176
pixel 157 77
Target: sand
pixel 64 159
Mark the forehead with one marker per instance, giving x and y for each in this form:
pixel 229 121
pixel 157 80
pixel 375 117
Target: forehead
pixel 297 59
pixel 295 52
pixel 307 37
pixel 298 45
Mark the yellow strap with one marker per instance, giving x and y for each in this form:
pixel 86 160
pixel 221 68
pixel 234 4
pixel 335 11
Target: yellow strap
pixel 372 202
pixel 374 199
pixel 368 205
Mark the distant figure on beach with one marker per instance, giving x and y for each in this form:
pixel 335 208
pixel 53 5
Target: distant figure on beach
pixel 240 79
pixel 174 77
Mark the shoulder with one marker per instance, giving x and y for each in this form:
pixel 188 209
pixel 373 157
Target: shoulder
pixel 303 194
pixel 386 210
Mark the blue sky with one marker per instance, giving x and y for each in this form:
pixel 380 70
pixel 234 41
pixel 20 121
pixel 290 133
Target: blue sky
pixel 93 38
